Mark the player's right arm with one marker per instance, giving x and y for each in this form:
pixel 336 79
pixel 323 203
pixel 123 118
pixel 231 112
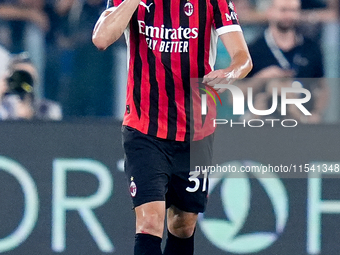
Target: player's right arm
pixel 112 23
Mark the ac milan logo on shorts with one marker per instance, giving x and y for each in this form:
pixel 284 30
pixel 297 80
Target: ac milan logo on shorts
pixel 188 9
pixel 133 189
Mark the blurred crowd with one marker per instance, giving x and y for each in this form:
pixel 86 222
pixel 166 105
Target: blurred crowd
pixel 68 77
pixel 56 35
pixel 284 56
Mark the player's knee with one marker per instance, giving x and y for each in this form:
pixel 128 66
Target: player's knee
pixel 180 223
pixel 150 223
pixel 182 228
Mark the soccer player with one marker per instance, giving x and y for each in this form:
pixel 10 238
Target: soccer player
pixel 169 42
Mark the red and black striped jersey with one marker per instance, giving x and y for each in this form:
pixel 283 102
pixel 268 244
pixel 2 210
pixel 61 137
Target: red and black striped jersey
pixel 170 42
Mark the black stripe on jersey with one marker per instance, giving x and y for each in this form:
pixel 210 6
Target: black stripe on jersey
pixel 201 41
pixel 137 70
pixel 185 69
pixel 169 80
pixel 154 90
pixel 191 119
pixel 217 13
pixel 201 37
pixel 234 21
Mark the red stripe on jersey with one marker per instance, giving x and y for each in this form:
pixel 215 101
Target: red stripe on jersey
pixel 207 38
pixel 177 76
pixel 117 2
pixel 223 7
pixel 160 74
pixel 145 82
pixel 208 127
pixel 193 52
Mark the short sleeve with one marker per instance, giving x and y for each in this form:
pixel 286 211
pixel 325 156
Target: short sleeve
pixel 225 17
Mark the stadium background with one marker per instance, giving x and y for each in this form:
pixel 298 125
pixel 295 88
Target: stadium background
pixel 53 175
pixel 42 213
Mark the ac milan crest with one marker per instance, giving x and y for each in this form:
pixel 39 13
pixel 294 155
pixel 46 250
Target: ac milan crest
pixel 133 188
pixel 188 9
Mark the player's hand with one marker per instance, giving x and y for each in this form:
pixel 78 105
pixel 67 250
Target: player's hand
pixel 221 76
pixel 274 72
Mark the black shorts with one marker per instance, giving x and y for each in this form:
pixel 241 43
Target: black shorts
pixel 159 170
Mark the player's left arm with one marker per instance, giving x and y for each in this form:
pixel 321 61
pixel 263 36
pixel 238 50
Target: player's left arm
pixel 240 65
pixel 225 21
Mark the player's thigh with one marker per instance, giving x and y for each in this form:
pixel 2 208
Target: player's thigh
pixel 146 167
pixel 188 193
pixel 188 189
